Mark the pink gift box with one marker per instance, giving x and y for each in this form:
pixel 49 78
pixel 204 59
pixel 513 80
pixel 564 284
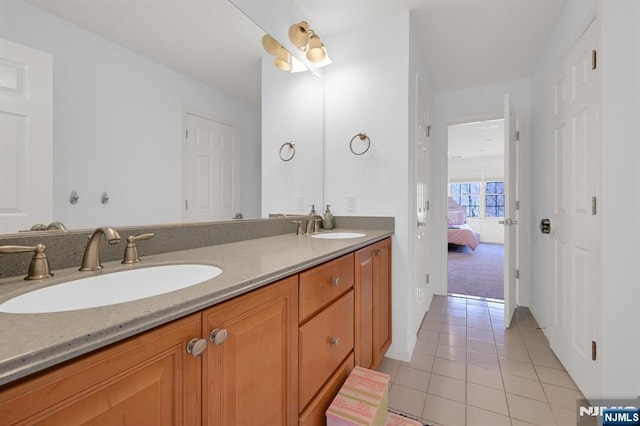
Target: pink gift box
pixel 362 400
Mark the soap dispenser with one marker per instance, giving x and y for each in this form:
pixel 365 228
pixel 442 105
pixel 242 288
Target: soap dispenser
pixel 328 221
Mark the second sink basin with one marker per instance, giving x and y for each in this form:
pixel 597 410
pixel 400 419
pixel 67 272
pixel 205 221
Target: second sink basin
pixel 110 288
pixel 337 235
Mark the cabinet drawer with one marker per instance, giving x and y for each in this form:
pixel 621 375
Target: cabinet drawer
pixel 315 414
pixel 325 341
pixel 321 285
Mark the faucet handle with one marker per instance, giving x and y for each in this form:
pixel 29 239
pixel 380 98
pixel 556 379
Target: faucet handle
pixel 316 224
pixel 299 229
pixel 39 266
pixel 131 252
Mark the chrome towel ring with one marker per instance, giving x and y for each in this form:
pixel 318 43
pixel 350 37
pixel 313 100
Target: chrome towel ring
pixel 363 137
pixel 292 149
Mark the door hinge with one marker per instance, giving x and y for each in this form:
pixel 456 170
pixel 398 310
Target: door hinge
pixel 517 274
pixel 427 279
pixel 186 204
pixel 517 204
pixel 429 131
pixel 517 135
pixel 593 350
pixel 594 59
pixel 186 133
pixel 594 205
pixel 428 205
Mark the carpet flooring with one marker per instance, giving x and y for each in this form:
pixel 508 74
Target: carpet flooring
pixel 477 273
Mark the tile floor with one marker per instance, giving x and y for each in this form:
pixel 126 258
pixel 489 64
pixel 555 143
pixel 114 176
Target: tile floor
pixel 467 369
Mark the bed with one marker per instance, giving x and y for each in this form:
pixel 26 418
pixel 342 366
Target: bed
pixel 459 233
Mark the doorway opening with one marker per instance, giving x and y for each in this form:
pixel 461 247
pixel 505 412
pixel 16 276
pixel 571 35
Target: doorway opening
pixel 476 209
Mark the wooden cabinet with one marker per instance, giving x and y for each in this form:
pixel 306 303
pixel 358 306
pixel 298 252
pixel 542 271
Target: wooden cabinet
pixel 372 287
pixel 252 377
pixel 149 379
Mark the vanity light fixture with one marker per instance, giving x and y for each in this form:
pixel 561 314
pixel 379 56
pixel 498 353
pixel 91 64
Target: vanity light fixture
pixel 307 40
pixel 272 47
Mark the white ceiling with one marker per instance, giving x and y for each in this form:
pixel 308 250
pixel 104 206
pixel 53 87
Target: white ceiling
pixel 477 139
pixel 467 43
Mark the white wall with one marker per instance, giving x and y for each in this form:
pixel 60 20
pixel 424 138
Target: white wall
pixel 620 349
pixel 293 112
pixel 366 90
pixel 118 124
pixel 474 104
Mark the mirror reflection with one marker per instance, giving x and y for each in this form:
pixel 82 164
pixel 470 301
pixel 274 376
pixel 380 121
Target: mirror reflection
pixel 146 99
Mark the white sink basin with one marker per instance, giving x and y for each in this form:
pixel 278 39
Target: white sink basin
pixel 109 289
pixel 337 235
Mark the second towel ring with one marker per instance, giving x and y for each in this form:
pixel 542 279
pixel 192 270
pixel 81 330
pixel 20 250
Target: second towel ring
pixel 292 146
pixel 363 136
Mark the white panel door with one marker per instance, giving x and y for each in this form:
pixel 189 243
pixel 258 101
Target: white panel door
pixel 213 170
pixel 422 138
pixel 575 222
pixel 26 137
pixel 510 211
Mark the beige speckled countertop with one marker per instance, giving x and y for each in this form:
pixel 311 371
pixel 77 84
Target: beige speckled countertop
pixel 33 342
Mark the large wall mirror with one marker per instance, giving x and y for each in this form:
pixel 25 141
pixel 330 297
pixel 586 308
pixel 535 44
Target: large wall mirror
pixel 127 77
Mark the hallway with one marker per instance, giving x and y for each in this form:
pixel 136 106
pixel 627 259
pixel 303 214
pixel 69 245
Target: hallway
pixel 468 369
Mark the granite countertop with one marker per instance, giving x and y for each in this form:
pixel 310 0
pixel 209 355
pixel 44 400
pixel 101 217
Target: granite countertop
pixel 33 342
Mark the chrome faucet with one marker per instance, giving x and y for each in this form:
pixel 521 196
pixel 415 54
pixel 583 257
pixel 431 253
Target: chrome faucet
pixel 313 223
pixel 91 258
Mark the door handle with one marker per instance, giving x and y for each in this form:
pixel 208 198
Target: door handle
pixel 545 226
pixel 421 223
pixel 508 222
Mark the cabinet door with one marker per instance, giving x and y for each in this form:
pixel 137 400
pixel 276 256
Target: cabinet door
pixel 372 288
pixel 251 378
pixel 149 379
pixel 381 301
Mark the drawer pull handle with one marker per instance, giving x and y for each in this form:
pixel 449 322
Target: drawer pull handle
pixel 196 347
pixel 218 336
pixel 335 281
pixel 334 341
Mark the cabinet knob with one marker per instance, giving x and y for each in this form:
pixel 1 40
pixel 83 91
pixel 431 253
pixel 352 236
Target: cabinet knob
pixel 218 336
pixel 196 347
pixel 378 252
pixel 335 281
pixel 334 341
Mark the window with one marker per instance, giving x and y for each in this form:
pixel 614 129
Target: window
pixel 467 195
pixel 494 199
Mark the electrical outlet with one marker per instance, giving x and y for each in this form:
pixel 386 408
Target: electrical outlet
pixel 300 203
pixel 351 203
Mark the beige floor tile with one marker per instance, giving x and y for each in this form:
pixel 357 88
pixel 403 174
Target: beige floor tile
pixel 482 347
pixel 389 366
pixel 448 319
pixel 480 417
pixel 516 422
pixel 478 316
pixel 426 347
pixel 446 387
pixel 420 361
pixel 431 325
pixel 453 340
pixel 479 324
pixel 476 302
pixel 530 410
pixel 477 334
pixel 445 367
pixel 458 330
pixel 434 316
pixel 487 398
pixel 412 378
pixel 518 368
pixel 507 339
pixel 461 313
pixel 442 411
pixel 555 377
pixel 562 397
pixel 453 300
pixel 428 335
pixel 483 360
pixel 437 309
pixel 513 352
pixel 451 352
pixel 472 307
pixel 485 377
pixel 565 416
pixel 545 359
pixel 523 387
pixel 406 400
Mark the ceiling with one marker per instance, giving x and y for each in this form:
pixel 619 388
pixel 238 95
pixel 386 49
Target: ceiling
pixel 466 43
pixel 477 139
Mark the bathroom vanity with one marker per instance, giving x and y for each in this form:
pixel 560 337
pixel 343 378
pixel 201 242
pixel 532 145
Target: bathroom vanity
pixel 269 341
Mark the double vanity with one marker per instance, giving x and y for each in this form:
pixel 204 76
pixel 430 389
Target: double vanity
pixel 264 331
